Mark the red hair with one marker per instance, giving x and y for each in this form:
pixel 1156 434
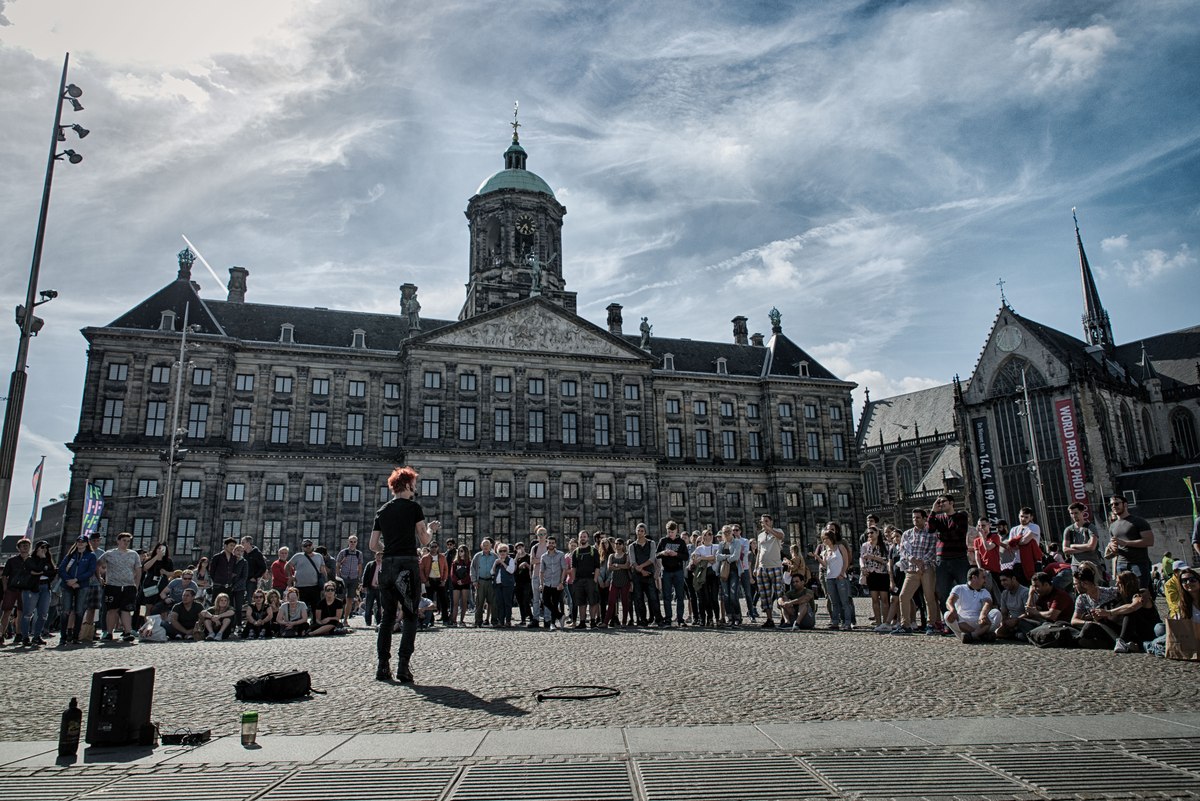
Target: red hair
pixel 402 478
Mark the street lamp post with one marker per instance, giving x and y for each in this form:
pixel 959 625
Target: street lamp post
pixel 67 93
pixel 1035 465
pixel 174 454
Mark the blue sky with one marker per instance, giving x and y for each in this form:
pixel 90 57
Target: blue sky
pixel 870 168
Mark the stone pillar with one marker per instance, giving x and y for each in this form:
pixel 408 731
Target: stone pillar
pixel 614 318
pixel 739 330
pixel 237 284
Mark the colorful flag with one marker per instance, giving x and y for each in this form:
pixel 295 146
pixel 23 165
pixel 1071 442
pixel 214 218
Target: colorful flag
pixel 93 505
pixel 1192 492
pixel 37 494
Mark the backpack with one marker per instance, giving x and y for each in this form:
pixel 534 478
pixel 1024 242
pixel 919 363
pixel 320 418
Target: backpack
pixel 283 686
pixel 1054 635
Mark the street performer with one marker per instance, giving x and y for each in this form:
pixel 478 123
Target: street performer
pixel 398 531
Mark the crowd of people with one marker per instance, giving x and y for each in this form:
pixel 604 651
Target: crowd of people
pixel 945 575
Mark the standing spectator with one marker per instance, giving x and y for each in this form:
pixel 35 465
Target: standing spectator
pixel 745 570
pixel 221 569
pixel 460 584
pixel 370 583
pixel 241 572
pixel 122 571
pixel 704 560
pixel 35 601
pixel 535 572
pixel 1131 540
pixel 918 552
pixel 435 572
pixel 986 547
pixel 835 557
pixel 279 570
pixel 619 585
pixel 673 554
pixel 554 569
pixel 769 571
pixel 1196 542
pixel 953 531
pixel 969 609
pixel 203 580
pixel 1081 541
pixel 1025 545
pixel 256 565
pixel 873 562
pixel 75 569
pixel 307 570
pixel 645 594
pixel 729 557
pixel 349 567
pixel 584 578
pixel 157 569
pixel 481 580
pixel 16 581
pixel 524 584
pixel 504 581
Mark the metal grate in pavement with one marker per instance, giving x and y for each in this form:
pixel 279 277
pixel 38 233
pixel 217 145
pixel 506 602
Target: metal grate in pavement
pixel 402 783
pixel 1100 772
pixel 568 781
pixel 189 785
pixel 1184 755
pixel 907 775
pixel 743 779
pixel 50 788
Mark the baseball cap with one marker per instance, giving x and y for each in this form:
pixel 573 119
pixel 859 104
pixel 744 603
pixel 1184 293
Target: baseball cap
pixel 1179 565
pixel 83 538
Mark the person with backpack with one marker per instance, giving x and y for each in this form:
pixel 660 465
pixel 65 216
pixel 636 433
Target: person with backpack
pixel 584 579
pixel 307 571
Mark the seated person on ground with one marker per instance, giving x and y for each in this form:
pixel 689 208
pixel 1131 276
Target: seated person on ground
pixel 1133 614
pixel 969 612
pixel 293 615
pixel 425 612
pixel 259 617
pixel 328 612
pixel 1014 597
pixel 219 618
pixel 1047 603
pixel 796 604
pixel 173 592
pixel 184 620
pixel 1094 630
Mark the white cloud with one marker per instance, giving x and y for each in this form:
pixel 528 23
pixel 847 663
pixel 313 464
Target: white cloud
pixel 1059 59
pixel 1115 243
pixel 1153 264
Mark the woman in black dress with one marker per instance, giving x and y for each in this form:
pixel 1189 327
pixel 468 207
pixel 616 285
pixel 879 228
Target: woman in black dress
pixel 398 531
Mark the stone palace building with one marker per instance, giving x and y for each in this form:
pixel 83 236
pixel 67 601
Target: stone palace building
pixel 517 414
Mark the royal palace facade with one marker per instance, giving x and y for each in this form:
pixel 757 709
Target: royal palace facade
pixel 517 414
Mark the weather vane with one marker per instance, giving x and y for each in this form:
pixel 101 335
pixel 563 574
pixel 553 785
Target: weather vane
pixel 515 124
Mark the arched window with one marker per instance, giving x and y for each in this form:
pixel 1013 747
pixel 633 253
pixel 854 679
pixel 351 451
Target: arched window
pixel 904 476
pixel 1148 437
pixel 1131 447
pixel 1008 380
pixel 1183 431
pixel 871 485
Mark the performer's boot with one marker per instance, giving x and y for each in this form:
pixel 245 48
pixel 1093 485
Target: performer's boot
pixel 383 672
pixel 403 673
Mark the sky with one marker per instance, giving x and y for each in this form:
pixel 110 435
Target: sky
pixel 870 168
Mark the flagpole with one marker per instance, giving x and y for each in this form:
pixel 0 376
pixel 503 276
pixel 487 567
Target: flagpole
pixel 37 495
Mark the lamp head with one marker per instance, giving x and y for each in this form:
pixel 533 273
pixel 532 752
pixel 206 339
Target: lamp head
pixel 74 91
pixel 75 104
pixel 48 294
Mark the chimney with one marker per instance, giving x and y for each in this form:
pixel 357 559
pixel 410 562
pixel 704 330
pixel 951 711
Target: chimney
pixel 739 330
pixel 237 284
pixel 614 318
pixel 756 340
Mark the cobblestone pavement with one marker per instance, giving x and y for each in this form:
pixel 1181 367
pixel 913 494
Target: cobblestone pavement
pixel 485 679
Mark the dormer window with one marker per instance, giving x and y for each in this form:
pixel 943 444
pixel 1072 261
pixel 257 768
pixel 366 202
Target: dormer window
pixel 167 323
pixel 722 366
pixel 803 369
pixel 669 361
pixel 360 338
pixel 287 333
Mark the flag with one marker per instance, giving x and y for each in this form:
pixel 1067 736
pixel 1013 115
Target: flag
pixel 37 494
pixel 1192 492
pixel 93 505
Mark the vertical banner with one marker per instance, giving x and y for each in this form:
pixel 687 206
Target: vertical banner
pixel 93 505
pixel 987 469
pixel 37 496
pixel 1068 437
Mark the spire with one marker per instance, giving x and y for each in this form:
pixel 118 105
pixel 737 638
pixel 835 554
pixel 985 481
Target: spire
pixel 1148 371
pixel 514 157
pixel 1096 326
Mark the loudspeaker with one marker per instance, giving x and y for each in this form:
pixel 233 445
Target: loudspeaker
pixel 119 710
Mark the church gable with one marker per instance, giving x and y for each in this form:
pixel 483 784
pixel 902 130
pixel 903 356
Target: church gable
pixel 533 326
pixel 1015 341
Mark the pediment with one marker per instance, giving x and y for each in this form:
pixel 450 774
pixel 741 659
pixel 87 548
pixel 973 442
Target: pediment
pixel 534 327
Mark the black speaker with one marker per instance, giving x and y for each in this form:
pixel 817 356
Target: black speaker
pixel 119 710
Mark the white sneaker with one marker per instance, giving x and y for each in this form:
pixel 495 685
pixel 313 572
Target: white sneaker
pixel 1123 647
pixel 883 628
pixel 558 624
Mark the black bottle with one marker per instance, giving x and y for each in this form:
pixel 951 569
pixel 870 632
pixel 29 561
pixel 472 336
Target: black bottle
pixel 68 732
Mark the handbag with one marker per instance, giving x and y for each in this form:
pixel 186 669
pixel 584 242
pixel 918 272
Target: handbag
pixel 1183 640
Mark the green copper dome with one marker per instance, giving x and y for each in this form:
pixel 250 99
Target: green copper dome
pixel 514 175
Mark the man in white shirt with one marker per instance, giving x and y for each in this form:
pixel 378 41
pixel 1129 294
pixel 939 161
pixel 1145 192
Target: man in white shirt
pixel 770 567
pixel 535 574
pixel 969 612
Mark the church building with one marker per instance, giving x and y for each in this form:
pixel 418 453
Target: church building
pixel 518 413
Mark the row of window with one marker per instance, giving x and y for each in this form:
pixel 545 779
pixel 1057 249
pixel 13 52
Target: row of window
pixel 502 384
pixel 677 499
pixel 244 382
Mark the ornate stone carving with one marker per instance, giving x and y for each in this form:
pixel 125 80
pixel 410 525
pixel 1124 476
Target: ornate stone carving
pixel 532 329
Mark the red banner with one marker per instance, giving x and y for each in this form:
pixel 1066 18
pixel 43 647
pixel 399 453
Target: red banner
pixel 1068 437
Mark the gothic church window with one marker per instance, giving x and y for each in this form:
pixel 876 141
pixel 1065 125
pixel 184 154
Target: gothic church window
pixel 1183 430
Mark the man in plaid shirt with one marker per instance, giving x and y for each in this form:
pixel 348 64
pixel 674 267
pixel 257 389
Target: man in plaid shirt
pixel 918 560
